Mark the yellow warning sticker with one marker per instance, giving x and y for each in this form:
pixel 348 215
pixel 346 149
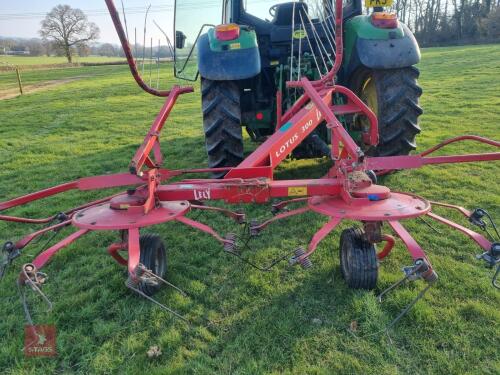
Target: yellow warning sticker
pixel 235 46
pixel 378 3
pixel 296 191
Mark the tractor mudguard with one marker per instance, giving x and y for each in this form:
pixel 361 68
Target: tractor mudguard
pixel 228 60
pixel 377 48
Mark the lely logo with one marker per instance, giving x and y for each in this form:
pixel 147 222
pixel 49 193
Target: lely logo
pixel 201 194
pixel 40 340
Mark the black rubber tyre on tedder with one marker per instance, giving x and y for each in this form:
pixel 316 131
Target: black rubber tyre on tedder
pixel 222 123
pixel 358 260
pixel 154 258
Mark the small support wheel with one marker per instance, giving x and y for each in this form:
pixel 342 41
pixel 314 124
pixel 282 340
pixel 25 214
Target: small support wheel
pixel 358 260
pixel 154 258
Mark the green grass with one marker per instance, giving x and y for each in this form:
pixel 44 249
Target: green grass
pixel 49 60
pixel 247 322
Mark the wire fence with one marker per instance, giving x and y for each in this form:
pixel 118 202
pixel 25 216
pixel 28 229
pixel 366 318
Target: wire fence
pixel 4 66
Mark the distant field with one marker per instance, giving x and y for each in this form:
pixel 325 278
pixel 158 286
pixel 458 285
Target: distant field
pixel 287 321
pixel 49 60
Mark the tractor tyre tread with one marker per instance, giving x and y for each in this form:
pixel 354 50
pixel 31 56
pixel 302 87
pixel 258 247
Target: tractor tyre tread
pixel 222 124
pixel 398 98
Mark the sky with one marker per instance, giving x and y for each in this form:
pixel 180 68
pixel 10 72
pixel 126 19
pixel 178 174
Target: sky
pixel 21 18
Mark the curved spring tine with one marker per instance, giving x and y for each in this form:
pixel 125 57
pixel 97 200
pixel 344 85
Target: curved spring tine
pixel 494 280
pixel 176 314
pixel 398 283
pixel 409 306
pixel 24 302
pixel 152 274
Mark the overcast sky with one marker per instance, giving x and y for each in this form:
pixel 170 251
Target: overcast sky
pixel 22 18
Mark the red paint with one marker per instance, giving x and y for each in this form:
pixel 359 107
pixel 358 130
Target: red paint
pixel 338 195
pixel 389 245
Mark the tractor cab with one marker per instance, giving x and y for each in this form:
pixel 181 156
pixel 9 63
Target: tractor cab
pixel 245 51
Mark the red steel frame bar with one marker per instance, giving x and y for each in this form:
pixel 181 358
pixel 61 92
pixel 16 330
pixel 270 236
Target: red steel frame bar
pixel 22 243
pixel 419 160
pixel 45 256
pixel 480 240
pixel 68 213
pixel 130 58
pixel 152 138
pixel 389 245
pixel 251 181
pixel 201 227
pixel 134 251
pixel 414 248
pixel 280 216
pixel 333 123
pixel 460 209
pixel 320 235
pixel 459 139
pixel 113 251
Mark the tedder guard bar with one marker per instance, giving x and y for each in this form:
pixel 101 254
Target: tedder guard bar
pixel 347 191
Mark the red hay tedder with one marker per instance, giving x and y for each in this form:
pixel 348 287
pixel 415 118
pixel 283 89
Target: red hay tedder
pixel 347 191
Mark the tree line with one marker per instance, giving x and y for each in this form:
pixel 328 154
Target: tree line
pixel 449 22
pixel 66 31
pixel 40 47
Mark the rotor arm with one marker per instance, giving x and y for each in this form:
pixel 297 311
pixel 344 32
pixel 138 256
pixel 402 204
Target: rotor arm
pixel 388 163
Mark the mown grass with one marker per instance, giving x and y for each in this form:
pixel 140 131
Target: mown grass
pixel 48 60
pixel 247 322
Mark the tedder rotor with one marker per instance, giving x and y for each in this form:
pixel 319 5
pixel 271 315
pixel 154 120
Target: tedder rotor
pixel 348 191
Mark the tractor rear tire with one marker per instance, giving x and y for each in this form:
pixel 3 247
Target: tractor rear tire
pixel 222 124
pixel 154 258
pixel 358 260
pixel 393 94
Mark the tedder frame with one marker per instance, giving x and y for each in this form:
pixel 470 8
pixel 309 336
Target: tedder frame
pixel 348 191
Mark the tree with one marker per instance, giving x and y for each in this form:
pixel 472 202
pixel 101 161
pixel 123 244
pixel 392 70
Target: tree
pixel 83 49
pixel 35 47
pixel 492 24
pixel 68 28
pixel 107 49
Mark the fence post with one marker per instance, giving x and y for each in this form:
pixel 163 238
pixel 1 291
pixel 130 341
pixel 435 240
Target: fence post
pixel 19 80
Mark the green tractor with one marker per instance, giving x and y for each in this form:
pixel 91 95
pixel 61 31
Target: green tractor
pixel 245 57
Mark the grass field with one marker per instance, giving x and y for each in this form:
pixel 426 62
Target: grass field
pixel 246 322
pixel 50 60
